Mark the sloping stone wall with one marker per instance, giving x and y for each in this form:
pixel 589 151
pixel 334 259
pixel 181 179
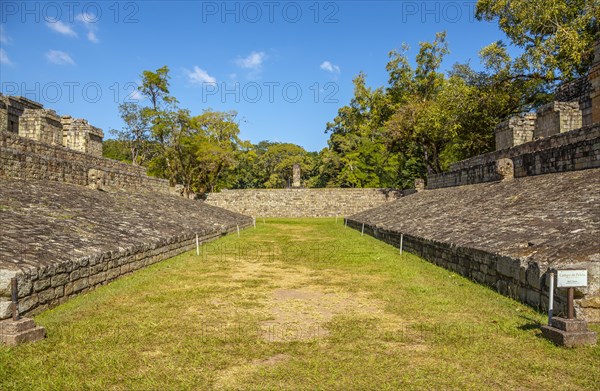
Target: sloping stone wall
pixel 302 202
pixel 61 240
pixel 506 235
pixel 575 150
pixel 29 159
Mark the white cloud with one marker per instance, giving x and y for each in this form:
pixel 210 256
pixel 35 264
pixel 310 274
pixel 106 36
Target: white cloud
pixel 60 58
pixel 4 38
pixel 92 37
pixel 253 61
pixel 199 76
pixel 4 58
pixel 62 28
pixel 329 67
pixel 90 22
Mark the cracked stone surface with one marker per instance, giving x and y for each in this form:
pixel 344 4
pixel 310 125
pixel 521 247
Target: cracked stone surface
pixel 46 222
pixel 550 219
pixel 504 234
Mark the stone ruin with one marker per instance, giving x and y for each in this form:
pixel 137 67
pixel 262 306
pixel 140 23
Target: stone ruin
pixel 29 119
pixel 500 220
pixel 576 104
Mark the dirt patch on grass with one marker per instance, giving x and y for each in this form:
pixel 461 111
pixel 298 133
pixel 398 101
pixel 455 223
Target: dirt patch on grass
pixel 302 314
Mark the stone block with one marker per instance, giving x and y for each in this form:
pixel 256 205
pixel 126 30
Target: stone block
pixel 534 278
pixel 569 339
pixel 508 267
pixel 28 303
pixel 13 327
pixel 5 309
pixel 5 277
pixel 40 285
pixel 13 333
pixel 80 284
pixel 59 280
pixel 569 325
pixel 46 296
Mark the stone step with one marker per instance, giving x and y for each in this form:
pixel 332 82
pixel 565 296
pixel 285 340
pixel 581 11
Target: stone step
pixel 31 335
pixel 569 325
pixel 14 327
pixel 569 339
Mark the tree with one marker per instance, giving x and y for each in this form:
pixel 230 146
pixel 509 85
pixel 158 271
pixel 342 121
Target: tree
pixel 116 150
pixel 279 160
pixel 218 148
pixel 136 132
pixel 556 36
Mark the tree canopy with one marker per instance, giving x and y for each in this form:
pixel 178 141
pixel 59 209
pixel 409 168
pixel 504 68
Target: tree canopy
pixel 421 121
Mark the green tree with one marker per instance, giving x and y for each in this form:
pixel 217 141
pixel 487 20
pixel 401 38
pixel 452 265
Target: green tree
pixel 136 132
pixel 279 160
pixel 116 150
pixel 556 36
pixel 218 149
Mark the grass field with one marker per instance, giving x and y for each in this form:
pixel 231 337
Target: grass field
pixel 295 304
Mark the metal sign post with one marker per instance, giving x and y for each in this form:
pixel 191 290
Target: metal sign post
pixel 551 298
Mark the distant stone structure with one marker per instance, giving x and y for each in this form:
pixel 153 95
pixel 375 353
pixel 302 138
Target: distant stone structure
pixel 594 81
pixel 327 202
pixel 29 119
pixel 296 183
pixel 576 104
pixel 35 143
pixel 79 135
pixel 563 135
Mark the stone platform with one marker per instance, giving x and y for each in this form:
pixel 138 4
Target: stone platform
pixel 569 332
pixel 61 240
pixel 506 234
pixel 13 333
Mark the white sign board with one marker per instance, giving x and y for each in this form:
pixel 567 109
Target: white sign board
pixel 571 278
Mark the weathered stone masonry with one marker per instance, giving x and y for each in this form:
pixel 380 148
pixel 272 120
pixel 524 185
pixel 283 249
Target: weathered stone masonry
pixel 575 150
pixel 506 235
pixel 302 202
pixel 496 219
pixel 29 119
pixel 29 159
pixel 61 240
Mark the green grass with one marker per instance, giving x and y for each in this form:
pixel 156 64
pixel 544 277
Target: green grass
pixel 295 304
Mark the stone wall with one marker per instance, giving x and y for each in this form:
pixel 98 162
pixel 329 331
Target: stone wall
pixel 28 159
pixel 302 202
pixel 61 240
pixel 79 135
pixel 578 90
pixel 557 117
pixel 575 150
pixel 29 119
pixel 48 286
pixel 506 235
pixel 12 108
pixel 41 125
pixel 594 79
pixel 514 131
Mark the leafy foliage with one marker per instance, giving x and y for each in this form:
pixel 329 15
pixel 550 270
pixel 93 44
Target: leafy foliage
pixel 419 123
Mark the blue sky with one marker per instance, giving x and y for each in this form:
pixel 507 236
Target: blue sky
pixel 284 66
